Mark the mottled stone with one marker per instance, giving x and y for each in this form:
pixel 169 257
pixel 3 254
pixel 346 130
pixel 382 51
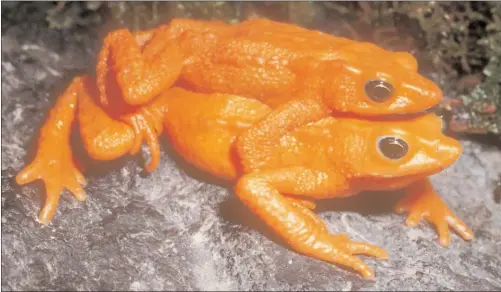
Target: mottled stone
pixel 177 229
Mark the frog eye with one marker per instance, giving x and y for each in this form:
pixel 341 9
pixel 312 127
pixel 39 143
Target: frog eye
pixel 378 90
pixel 392 147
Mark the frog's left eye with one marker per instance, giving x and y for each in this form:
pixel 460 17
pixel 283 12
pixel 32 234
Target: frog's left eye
pixel 392 147
pixel 378 90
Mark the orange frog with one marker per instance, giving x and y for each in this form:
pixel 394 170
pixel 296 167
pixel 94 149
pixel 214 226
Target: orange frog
pixel 262 59
pixel 281 161
pixel 280 171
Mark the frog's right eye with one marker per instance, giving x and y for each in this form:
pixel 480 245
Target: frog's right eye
pixel 378 90
pixel 393 148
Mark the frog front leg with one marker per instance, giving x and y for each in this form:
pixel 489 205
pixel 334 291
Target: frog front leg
pixel 423 202
pixel 256 143
pixel 263 193
pixel 103 138
pixel 306 207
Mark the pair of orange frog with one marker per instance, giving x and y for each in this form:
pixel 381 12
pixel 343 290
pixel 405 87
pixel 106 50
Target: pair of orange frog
pixel 292 115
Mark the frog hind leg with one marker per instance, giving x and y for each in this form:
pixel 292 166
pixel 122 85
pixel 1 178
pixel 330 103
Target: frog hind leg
pixel 295 223
pixel 144 63
pixel 141 72
pixel 103 137
pixel 422 202
pixel 54 161
pixel 55 164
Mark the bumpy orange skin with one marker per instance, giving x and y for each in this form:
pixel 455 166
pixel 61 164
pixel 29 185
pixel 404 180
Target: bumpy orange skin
pixel 276 165
pixel 262 59
pixel 262 117
pixel 276 62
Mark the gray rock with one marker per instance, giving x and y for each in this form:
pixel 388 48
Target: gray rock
pixel 177 229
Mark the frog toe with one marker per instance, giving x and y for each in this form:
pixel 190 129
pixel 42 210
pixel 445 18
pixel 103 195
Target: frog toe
pixel 424 203
pixel 146 129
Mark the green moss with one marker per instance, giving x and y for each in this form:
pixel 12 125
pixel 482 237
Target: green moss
pixel 484 103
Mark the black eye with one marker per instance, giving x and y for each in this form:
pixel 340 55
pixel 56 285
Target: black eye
pixel 378 90
pixel 392 147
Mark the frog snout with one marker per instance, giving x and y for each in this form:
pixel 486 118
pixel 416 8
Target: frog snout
pixel 448 150
pixel 431 93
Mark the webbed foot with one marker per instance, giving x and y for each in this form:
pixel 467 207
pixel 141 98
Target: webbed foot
pixel 57 169
pixel 424 203
pixel 54 162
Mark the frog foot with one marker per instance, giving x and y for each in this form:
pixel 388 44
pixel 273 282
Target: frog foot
pixel 357 247
pixel 58 170
pixel 339 249
pixel 344 249
pixel 427 205
pixel 147 126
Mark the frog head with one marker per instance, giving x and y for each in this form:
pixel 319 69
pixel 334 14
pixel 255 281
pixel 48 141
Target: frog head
pixel 396 152
pixel 369 81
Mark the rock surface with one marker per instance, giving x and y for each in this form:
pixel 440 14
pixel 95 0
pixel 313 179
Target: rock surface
pixel 175 229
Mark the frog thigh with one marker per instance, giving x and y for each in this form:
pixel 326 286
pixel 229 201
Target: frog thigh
pixel 103 137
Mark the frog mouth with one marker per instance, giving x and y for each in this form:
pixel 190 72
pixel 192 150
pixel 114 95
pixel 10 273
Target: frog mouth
pixel 446 152
pixel 429 169
pixel 399 116
pixel 433 169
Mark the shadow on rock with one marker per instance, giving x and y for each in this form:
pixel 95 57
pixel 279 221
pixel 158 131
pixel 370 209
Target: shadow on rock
pixel 235 212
